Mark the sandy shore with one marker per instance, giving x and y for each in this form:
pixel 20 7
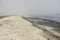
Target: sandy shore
pixel 20 28
pixel 17 28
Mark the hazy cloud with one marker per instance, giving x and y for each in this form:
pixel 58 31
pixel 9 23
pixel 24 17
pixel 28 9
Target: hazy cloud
pixel 29 7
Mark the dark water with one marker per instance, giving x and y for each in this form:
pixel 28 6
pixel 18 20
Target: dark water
pixel 46 21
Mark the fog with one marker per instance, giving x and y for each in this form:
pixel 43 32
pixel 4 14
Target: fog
pixel 30 7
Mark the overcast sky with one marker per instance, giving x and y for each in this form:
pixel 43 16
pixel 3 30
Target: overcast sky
pixel 29 7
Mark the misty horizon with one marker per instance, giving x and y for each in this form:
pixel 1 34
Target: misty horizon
pixel 30 7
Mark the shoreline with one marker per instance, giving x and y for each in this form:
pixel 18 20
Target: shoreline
pixel 50 33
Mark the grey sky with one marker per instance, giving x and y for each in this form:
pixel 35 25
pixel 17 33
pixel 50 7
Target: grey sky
pixel 29 7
